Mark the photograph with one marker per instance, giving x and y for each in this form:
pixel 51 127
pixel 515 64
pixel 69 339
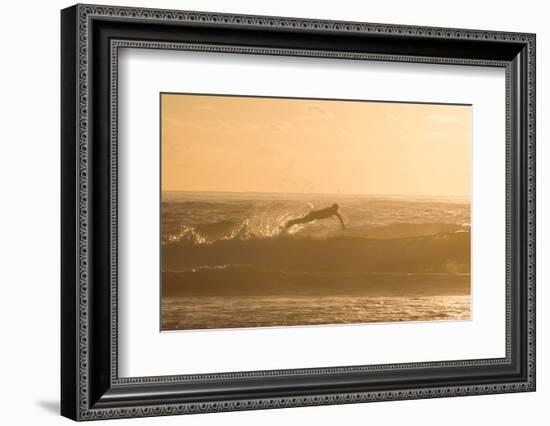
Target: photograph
pixel 295 211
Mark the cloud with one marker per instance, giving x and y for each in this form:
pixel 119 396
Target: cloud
pixel 314 109
pixel 185 125
pixel 276 128
pixel 317 111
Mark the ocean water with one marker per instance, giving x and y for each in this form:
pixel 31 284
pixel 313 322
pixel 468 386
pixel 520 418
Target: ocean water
pixel 228 260
pixel 278 311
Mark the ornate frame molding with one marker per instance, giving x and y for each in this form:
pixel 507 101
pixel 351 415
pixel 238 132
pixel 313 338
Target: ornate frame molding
pixel 87 409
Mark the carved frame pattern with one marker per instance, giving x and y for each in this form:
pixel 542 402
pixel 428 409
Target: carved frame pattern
pixel 85 13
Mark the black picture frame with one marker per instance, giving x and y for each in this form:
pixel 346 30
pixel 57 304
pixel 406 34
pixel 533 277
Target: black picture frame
pixel 90 38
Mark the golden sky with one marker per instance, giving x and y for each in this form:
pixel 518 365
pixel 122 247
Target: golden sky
pixel 240 144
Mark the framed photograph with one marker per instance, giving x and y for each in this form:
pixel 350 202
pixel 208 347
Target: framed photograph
pixel 263 212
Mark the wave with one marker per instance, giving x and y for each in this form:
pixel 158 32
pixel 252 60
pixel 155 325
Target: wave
pixel 447 252
pixel 208 233
pixel 249 280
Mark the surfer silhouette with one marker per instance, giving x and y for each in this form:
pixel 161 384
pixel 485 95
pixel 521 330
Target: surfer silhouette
pixel 316 215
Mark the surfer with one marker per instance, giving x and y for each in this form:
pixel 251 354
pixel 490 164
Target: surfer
pixel 318 214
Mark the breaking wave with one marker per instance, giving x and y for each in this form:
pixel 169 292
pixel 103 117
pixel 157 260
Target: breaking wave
pixel 442 252
pixel 208 233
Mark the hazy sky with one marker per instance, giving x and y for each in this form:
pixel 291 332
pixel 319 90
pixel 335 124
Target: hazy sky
pixel 239 144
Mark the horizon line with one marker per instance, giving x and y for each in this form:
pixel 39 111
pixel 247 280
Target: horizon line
pixel 317 193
